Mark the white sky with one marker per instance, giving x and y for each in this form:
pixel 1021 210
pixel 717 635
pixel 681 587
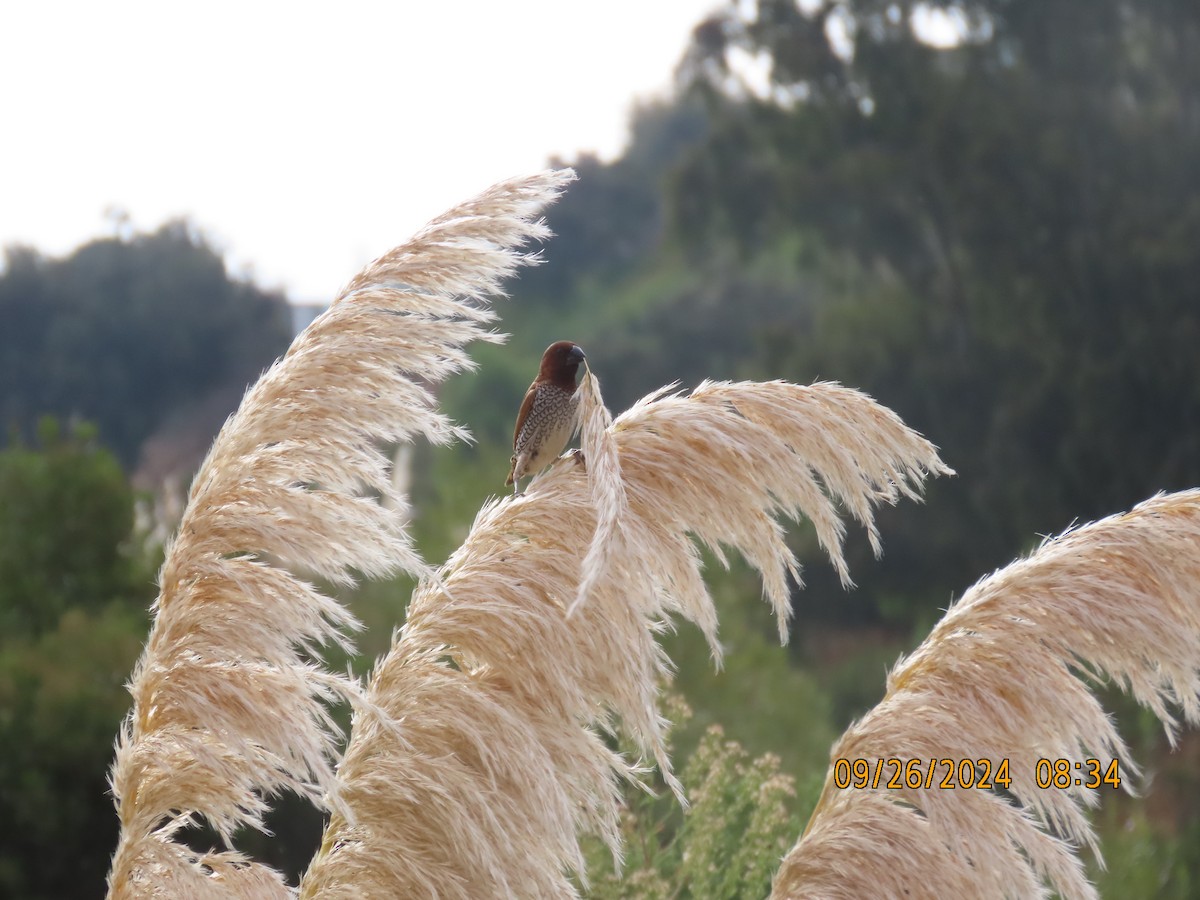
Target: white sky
pixel 306 141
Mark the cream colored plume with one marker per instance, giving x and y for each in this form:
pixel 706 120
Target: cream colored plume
pixel 480 756
pixel 607 487
pixel 998 679
pixel 229 709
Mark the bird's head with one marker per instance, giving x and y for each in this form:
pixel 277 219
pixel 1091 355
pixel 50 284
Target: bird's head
pixel 560 363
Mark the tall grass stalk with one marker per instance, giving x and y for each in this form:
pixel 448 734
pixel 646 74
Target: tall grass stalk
pixel 1001 678
pixel 229 704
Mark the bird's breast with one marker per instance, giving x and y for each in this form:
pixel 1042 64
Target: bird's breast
pixel 548 426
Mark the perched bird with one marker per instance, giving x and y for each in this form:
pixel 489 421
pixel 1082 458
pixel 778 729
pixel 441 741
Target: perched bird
pixel 548 413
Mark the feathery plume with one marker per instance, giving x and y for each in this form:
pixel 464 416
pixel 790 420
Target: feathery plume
pixel 723 463
pixel 228 711
pixel 997 680
pixel 604 479
pixel 478 758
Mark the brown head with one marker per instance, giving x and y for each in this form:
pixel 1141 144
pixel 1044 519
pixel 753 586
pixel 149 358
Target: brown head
pixel 560 364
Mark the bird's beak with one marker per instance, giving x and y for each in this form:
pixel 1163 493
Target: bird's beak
pixel 576 355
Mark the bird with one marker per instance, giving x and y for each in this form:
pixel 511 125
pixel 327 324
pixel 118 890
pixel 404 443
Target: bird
pixel 548 414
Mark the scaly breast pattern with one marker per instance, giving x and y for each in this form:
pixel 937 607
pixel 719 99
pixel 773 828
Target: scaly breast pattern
pixel 548 426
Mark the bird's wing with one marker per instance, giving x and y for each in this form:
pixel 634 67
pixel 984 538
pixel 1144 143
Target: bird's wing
pixel 523 414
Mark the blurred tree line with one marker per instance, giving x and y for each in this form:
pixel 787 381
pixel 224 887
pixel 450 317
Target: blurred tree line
pixel 121 332
pixel 1010 230
pixel 74 593
pixel 999 238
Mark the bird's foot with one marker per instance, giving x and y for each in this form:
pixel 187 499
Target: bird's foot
pixel 580 459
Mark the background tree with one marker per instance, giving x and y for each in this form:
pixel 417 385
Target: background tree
pixel 74 598
pixel 123 331
pixel 1007 230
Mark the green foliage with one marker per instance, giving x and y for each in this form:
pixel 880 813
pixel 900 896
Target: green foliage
pixel 72 603
pixel 1142 859
pixel 66 512
pixel 612 219
pixel 758 695
pixel 727 846
pixel 62 697
pixel 1004 235
pixel 123 331
pixel 740 823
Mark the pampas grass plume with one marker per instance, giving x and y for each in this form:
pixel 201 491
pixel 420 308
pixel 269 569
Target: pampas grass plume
pixel 999 678
pixel 229 708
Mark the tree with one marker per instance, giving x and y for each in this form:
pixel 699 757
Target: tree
pixel 122 331
pixel 73 599
pixel 1005 231
pixel 65 521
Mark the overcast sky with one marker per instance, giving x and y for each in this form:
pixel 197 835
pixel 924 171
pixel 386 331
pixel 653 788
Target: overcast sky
pixel 305 141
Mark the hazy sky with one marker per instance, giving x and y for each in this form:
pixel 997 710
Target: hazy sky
pixel 304 140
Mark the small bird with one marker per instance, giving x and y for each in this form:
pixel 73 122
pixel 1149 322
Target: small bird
pixel 548 413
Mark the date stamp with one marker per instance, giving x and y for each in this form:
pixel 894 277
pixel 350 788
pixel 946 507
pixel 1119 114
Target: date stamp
pixel 981 774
